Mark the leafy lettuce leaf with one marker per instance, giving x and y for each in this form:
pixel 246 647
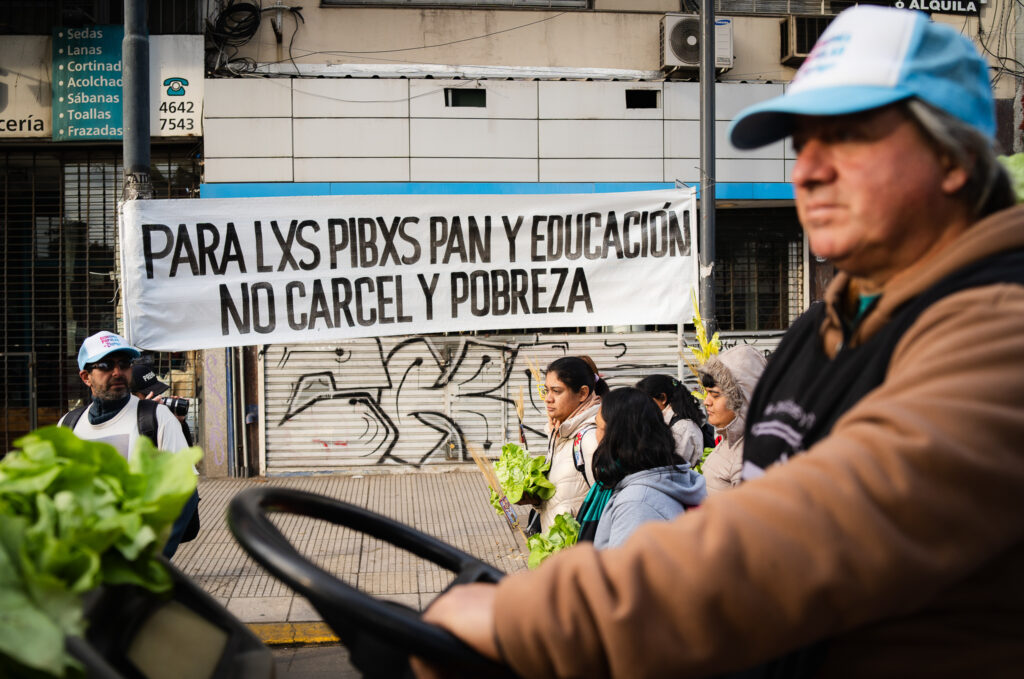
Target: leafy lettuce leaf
pixel 74 515
pixel 564 532
pixel 519 473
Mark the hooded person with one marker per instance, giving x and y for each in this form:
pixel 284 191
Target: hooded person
pixel 729 379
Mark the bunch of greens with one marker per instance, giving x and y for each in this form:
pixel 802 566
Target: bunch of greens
pixel 518 474
pixel 74 515
pixel 564 532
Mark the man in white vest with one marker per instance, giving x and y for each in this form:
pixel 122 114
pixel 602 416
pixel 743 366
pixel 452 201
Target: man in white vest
pixel 105 366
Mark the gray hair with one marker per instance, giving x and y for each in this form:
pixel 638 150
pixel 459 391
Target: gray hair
pixel 988 188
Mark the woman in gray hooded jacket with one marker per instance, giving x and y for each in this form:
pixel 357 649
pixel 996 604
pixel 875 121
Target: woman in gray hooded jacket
pixel 636 457
pixel 729 380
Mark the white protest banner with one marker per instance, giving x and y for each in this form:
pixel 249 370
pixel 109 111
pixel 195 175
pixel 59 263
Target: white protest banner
pixel 199 274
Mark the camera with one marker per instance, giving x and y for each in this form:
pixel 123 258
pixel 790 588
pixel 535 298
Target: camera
pixel 178 406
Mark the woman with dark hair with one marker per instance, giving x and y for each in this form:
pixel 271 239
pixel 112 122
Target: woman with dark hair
pixel 572 397
pixel 636 457
pixel 680 412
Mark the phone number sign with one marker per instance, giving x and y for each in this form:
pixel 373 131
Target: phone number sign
pixel 176 85
pixel 88 82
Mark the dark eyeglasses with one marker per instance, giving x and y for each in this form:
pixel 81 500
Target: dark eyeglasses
pixel 108 364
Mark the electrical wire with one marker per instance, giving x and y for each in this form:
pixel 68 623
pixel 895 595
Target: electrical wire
pixel 297 15
pixel 467 83
pixel 450 42
pixel 235 25
pixel 232 27
pixel 472 82
pixel 306 53
pixel 999 30
pixel 238 23
pixel 345 53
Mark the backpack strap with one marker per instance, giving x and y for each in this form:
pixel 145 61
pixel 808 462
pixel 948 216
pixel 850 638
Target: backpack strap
pixel 147 423
pixel 577 451
pixel 147 419
pixel 72 418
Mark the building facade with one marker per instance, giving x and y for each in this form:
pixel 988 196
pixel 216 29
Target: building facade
pixel 517 96
pixel 61 175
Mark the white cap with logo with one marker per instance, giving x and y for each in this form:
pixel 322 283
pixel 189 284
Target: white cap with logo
pixel 102 343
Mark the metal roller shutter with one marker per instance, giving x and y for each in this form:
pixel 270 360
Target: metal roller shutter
pixel 413 401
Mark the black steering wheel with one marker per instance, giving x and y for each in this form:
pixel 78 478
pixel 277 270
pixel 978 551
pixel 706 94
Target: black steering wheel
pixel 380 635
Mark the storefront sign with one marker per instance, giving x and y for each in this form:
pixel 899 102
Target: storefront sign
pixel 88 79
pixel 24 86
pixel 87 83
pixel 961 7
pixel 199 274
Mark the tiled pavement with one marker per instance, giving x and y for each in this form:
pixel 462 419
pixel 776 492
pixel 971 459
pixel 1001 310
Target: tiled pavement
pixel 450 504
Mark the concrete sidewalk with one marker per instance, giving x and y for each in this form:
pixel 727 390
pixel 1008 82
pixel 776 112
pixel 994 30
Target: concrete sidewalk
pixel 450 504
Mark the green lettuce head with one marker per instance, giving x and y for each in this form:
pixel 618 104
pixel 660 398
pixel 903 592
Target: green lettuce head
pixel 518 474
pixel 74 515
pixel 564 532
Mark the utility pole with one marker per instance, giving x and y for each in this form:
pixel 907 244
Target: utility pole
pixel 135 71
pixel 707 165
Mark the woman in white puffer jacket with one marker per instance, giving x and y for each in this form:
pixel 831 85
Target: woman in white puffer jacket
pixel 572 399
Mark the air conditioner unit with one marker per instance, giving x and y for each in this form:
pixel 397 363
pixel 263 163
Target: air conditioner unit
pixel 680 42
pixel 799 33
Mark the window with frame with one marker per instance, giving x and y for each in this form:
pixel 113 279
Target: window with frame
pixel 759 268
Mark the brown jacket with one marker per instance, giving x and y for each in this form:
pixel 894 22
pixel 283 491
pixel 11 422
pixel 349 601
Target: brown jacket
pixel 899 537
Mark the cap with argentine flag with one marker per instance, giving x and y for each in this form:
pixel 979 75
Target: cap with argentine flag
pixel 870 57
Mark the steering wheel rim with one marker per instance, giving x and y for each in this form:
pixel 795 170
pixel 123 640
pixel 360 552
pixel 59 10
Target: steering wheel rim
pixel 349 611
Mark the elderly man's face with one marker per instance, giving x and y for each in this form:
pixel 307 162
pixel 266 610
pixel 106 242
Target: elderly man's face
pixel 871 194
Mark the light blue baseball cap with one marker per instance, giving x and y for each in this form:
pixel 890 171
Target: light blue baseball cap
pixel 870 57
pixel 102 343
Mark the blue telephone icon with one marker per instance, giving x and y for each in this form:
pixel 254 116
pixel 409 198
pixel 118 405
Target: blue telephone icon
pixel 175 86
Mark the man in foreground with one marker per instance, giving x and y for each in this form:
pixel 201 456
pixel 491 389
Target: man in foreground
pixel 115 415
pixel 880 530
